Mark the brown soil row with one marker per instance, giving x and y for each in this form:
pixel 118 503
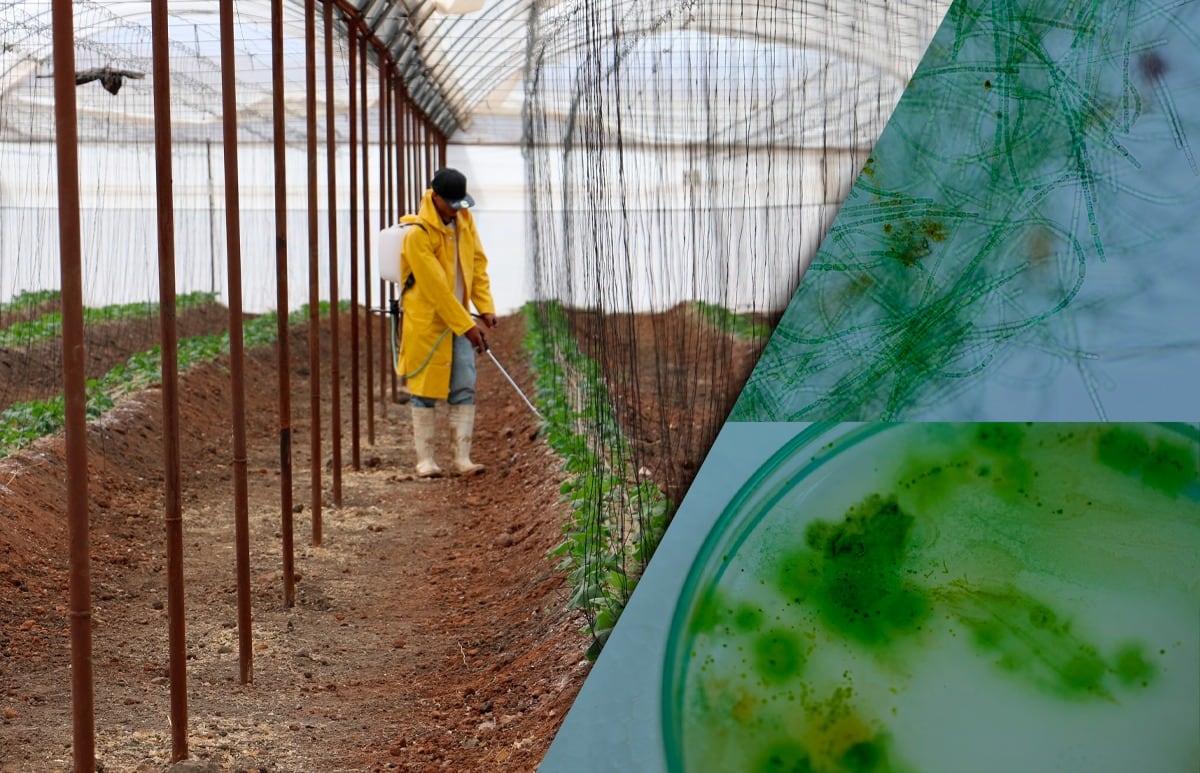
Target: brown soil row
pixel 430 629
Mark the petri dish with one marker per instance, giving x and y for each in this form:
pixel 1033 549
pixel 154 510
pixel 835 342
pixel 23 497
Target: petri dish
pixel 947 597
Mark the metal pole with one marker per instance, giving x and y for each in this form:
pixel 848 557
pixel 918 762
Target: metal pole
pixel 335 365
pixel 66 131
pixel 169 343
pixel 421 146
pixel 398 101
pixel 404 118
pixel 395 148
pixel 237 358
pixel 420 176
pixel 287 527
pixel 352 118
pixel 366 193
pixel 403 142
pixel 386 60
pixel 430 139
pixel 314 311
pixel 384 221
pixel 420 150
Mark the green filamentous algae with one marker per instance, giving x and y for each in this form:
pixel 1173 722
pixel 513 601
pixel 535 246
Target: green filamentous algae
pixel 888 603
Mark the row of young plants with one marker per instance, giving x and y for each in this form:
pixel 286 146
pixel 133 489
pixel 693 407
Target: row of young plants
pixel 49 325
pixel 739 325
pixel 616 520
pixel 22 423
pixel 28 299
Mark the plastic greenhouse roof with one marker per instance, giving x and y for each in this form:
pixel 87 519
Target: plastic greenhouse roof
pixel 471 71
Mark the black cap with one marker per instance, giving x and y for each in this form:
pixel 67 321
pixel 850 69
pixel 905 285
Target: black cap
pixel 451 185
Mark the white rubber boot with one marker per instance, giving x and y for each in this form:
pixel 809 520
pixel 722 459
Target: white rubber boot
pixel 462 427
pixel 423 435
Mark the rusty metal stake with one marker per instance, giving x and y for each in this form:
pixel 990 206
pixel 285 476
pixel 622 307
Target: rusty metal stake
pixel 335 365
pixel 352 120
pixel 237 356
pixel 287 527
pixel 366 194
pixel 169 343
pixel 83 719
pixel 314 310
pixel 385 217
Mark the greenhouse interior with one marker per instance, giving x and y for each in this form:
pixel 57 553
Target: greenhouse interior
pixel 710 237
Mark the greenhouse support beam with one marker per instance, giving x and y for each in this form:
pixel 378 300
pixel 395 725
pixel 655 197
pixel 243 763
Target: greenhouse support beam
pixel 400 198
pixel 366 198
pixel 352 119
pixel 237 355
pixel 282 337
pixel 400 116
pixel 432 159
pixel 335 365
pixel 385 206
pixel 412 144
pixel 169 346
pixel 420 158
pixel 441 143
pixel 384 221
pixel 423 129
pixel 420 174
pixel 314 310
pixel 83 720
pixel 386 59
pixel 411 150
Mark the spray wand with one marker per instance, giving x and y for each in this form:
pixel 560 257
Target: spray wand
pixel 488 351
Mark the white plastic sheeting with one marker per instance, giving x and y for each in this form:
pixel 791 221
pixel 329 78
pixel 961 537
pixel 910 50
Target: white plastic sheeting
pixel 777 76
pixel 119 220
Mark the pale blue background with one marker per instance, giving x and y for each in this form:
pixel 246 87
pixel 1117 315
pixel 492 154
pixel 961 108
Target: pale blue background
pixel 1064 168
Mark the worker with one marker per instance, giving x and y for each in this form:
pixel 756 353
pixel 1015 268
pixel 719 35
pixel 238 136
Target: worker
pixel 447 272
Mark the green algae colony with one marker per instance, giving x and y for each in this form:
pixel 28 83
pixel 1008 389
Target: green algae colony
pixel 853 571
pixel 986 544
pixel 988 219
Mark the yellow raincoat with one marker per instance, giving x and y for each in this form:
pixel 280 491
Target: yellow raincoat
pixel 432 312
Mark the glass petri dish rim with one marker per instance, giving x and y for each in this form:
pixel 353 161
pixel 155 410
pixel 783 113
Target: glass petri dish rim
pixel 773 479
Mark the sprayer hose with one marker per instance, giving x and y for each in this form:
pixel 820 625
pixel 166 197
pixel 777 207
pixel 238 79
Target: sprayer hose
pixel 396 353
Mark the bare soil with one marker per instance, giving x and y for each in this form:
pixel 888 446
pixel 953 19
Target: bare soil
pixel 430 629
